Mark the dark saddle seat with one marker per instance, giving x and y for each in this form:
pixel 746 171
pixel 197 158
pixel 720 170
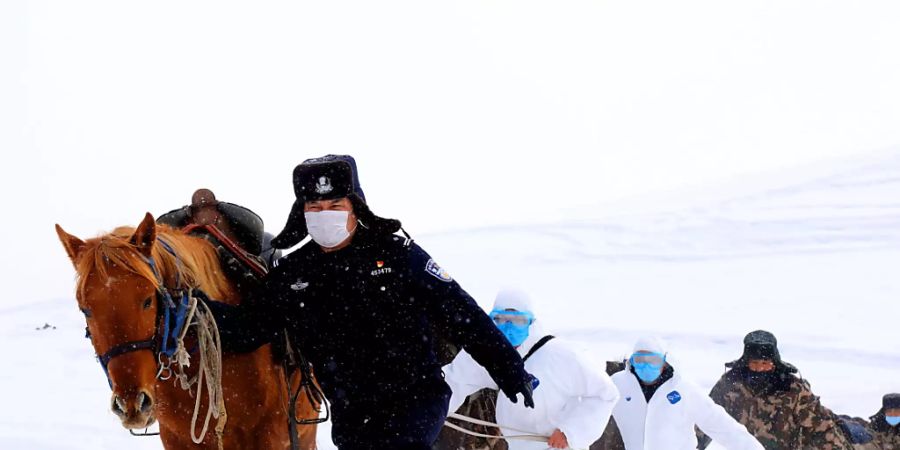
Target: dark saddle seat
pixel 237 223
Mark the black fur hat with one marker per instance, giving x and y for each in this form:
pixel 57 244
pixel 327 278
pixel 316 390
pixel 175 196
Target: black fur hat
pixel 326 178
pixel 761 344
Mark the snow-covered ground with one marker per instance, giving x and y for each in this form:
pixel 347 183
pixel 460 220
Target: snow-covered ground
pixel 811 255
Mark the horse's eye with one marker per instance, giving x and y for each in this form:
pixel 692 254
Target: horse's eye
pixel 86 312
pixel 148 303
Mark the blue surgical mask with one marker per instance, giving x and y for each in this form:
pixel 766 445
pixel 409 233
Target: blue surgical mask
pixel 515 333
pixel 647 372
pixel 648 366
pixel 514 324
pixel 892 420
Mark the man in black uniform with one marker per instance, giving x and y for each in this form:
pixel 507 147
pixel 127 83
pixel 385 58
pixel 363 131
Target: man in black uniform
pixel 360 304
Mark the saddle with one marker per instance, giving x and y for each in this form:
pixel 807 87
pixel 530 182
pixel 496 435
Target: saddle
pixel 233 228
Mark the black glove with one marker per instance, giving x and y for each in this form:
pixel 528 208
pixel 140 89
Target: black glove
pixel 526 388
pixel 239 274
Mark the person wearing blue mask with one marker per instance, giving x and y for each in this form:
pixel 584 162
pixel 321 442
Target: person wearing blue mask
pixel 885 426
pixel 658 410
pixel 892 410
pixel 573 395
pixel 880 432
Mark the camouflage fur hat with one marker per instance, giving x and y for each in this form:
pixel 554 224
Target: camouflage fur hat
pixel 891 401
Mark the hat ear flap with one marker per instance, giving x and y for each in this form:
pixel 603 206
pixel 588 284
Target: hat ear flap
pixel 294 230
pixel 365 215
pixel 788 367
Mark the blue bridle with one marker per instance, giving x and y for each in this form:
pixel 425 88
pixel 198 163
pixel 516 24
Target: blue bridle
pixel 172 314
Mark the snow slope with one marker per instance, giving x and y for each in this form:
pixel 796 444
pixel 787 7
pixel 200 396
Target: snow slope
pixel 809 255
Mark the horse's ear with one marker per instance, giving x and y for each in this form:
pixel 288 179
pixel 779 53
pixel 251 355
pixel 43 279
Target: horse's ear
pixel 145 235
pixel 72 244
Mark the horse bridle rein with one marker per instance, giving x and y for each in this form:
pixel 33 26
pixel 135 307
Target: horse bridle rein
pixel 173 316
pixel 164 347
pixel 170 314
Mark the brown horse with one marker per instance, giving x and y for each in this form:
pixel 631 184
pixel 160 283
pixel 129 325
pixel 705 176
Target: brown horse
pixel 117 291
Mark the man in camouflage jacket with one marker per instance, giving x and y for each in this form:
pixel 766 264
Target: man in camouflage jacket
pixel 881 431
pixel 886 436
pixel 763 393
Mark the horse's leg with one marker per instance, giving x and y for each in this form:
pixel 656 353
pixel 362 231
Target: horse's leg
pixel 271 433
pixel 305 408
pixel 274 428
pixel 307 437
pixel 256 400
pixel 271 430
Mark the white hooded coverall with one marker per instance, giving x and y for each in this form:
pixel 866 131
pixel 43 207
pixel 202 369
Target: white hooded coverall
pixel 575 395
pixel 667 421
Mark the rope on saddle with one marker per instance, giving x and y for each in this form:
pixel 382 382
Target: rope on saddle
pixel 526 436
pixel 209 345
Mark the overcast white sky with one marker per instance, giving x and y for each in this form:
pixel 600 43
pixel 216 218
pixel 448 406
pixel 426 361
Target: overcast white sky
pixel 459 113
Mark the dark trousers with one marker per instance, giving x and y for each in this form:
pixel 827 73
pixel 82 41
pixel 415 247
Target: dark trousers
pixel 415 427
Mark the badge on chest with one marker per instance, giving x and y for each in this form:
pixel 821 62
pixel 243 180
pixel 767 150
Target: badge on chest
pixel 299 285
pixel 380 269
pixel 673 397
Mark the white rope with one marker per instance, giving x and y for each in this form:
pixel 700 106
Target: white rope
pixel 210 348
pixel 490 436
pixel 528 436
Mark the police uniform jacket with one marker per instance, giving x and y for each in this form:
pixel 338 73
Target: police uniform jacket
pixel 363 317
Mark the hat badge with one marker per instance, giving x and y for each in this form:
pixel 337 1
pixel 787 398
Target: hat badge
pixel 323 186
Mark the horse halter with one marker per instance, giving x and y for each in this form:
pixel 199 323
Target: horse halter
pixel 172 315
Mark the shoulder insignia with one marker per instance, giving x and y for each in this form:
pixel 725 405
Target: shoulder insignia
pixel 674 397
pixel 407 242
pixel 436 271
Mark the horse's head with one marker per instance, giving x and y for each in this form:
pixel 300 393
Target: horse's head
pixel 117 291
pixel 117 295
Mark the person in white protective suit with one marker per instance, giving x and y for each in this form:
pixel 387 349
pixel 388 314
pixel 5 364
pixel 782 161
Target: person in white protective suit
pixel 658 409
pixel 573 396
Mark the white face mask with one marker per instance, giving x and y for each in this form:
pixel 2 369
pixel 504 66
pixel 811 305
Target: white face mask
pixel 327 228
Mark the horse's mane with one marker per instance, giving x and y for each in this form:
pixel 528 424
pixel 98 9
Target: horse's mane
pixel 197 264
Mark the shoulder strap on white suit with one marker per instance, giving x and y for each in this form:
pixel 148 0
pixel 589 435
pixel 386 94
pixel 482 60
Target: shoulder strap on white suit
pixel 537 346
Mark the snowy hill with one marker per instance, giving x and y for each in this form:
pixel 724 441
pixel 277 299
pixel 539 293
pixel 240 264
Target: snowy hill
pixel 809 255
